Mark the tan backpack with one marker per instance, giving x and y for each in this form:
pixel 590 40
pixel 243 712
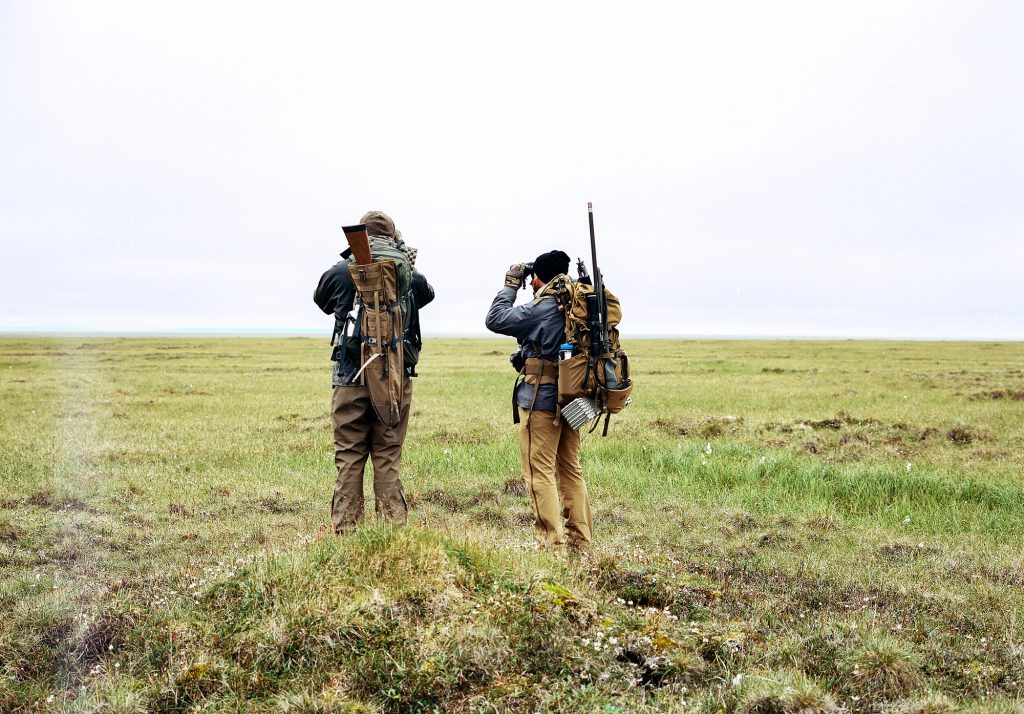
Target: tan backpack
pixel 381 324
pixel 582 374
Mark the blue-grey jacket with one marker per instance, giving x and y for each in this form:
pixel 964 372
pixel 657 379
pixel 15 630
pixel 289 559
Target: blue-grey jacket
pixel 539 327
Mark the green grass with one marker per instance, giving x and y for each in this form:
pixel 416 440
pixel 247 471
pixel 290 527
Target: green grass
pixel 780 526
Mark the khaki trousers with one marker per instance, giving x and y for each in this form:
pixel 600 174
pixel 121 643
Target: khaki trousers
pixel 550 454
pixel 359 434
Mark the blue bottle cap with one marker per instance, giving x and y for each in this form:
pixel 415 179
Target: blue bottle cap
pixel 566 346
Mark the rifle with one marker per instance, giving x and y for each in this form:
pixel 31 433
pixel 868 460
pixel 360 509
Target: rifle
pixel 609 394
pixel 601 343
pixel 358 243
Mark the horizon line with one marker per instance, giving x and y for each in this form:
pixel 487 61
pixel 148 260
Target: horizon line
pixel 271 333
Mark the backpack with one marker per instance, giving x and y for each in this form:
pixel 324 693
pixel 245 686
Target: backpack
pixel 386 326
pixel 582 374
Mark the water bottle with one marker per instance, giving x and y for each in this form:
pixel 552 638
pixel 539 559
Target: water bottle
pixel 565 352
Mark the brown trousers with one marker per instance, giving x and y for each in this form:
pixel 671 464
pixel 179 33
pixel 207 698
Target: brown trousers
pixel 550 455
pixel 359 434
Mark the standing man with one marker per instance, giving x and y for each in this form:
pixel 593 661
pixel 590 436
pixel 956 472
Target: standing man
pixel 358 432
pixel 549 448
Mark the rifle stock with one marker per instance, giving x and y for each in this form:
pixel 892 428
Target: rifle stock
pixel 359 242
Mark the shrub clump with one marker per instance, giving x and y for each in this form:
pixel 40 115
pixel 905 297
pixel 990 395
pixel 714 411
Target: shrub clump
pixel 396 619
pixel 884 669
pixel 930 704
pixel 787 693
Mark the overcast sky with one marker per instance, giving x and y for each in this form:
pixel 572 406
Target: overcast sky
pixel 757 168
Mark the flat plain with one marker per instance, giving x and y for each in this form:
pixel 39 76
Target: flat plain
pixel 780 527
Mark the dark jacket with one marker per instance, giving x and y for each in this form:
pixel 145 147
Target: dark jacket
pixel 539 327
pixel 335 294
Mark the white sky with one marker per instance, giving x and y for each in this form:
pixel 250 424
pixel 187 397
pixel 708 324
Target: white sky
pixel 757 168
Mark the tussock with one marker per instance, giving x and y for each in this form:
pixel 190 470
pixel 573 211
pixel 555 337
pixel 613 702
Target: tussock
pixel 884 668
pixel 786 693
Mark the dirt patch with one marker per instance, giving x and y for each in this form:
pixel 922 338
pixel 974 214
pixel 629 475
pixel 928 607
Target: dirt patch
pixel 822 523
pixel 1011 575
pixel 515 486
pixel 58 632
pixel 715 427
pixel 845 438
pixel 445 500
pixel 483 497
pixel 668 425
pixel 990 454
pixel 43 499
pixel 67 556
pixel 960 435
pixel 490 516
pixel 131 490
pixel 772 538
pixel 10 533
pixel 103 636
pixel 739 523
pixel 69 503
pixel 48 499
pixel 179 509
pixel 707 428
pixel 276 504
pixel 839 421
pixel 1017 396
pixel 901 552
pixel 744 522
pixel 686 591
pixel 454 504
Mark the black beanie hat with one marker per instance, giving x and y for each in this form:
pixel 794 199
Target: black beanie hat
pixel 548 265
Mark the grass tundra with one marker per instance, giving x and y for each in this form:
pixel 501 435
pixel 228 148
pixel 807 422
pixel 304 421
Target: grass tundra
pixel 780 527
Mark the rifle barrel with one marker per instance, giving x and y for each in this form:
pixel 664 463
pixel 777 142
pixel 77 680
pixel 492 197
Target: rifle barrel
pixel 596 279
pixel 601 340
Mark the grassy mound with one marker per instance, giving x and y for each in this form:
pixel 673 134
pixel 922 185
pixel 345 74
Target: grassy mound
pixel 395 620
pixel 408 620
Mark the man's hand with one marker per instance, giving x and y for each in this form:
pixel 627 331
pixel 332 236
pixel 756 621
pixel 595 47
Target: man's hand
pixel 515 276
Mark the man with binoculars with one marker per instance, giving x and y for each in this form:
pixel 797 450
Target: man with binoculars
pixel 549 447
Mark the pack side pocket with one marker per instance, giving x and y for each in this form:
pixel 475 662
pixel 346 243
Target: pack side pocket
pixel 572 378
